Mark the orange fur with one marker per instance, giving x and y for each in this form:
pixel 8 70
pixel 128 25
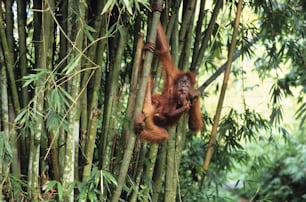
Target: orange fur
pixel 170 107
pixel 164 110
pixel 144 124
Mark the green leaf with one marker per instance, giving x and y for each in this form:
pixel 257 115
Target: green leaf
pixel 32 78
pixel 60 191
pixel 47 187
pixel 108 6
pixel 21 116
pixel 55 100
pixel 109 177
pixel 73 63
pixel 92 196
pixel 64 95
pixel 87 31
pixel 128 6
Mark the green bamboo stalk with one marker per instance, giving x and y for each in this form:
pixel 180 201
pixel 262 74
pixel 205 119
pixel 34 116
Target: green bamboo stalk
pixel 180 142
pixel 129 114
pixel 36 37
pixel 9 25
pixel 181 126
pixel 44 59
pixel 175 43
pixel 139 104
pixel 223 89
pixel 173 18
pixel 198 29
pixel 150 170
pixel 133 87
pixel 8 55
pixel 186 51
pixel 112 101
pixel 197 57
pixel 170 167
pixel 100 25
pixel 139 172
pixel 77 10
pixel 13 141
pixel 63 9
pixel 187 22
pixel 21 14
pixel 95 112
pixel 159 172
pixel 4 118
pixel 126 133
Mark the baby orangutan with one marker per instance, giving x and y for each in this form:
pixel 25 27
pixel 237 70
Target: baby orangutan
pixel 144 124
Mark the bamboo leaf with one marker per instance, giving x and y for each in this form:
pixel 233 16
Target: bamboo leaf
pixel 47 187
pixel 128 6
pixel 55 100
pixel 60 191
pixel 21 116
pixel 111 29
pixel 108 6
pixel 65 94
pixel 32 78
pixel 87 31
pixel 73 64
pixel 109 177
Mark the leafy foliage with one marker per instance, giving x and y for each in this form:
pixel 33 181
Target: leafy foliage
pixel 49 67
pixel 234 129
pixel 283 176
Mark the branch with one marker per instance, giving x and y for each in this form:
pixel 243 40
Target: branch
pixel 218 72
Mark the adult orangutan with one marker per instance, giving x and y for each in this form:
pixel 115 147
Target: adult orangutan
pixel 178 96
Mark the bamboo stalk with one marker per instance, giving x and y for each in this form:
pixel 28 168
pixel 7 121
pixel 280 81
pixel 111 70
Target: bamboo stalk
pixel 8 55
pixel 223 90
pixel 188 14
pixel 150 169
pixel 170 167
pixel 198 29
pixel 197 58
pixel 45 49
pixel 4 169
pixel 159 172
pixel 21 7
pixel 95 112
pixel 139 104
pixel 112 101
pixel 77 10
pixel 139 173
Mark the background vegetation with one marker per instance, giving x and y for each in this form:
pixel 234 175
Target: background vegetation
pixel 71 84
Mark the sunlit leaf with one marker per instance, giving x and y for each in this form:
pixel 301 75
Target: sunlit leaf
pixel 128 6
pixel 50 185
pixel 73 63
pixel 109 177
pixel 108 6
pixel 60 191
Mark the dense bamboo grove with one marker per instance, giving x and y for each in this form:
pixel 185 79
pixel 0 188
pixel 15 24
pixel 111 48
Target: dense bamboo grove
pixel 73 76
